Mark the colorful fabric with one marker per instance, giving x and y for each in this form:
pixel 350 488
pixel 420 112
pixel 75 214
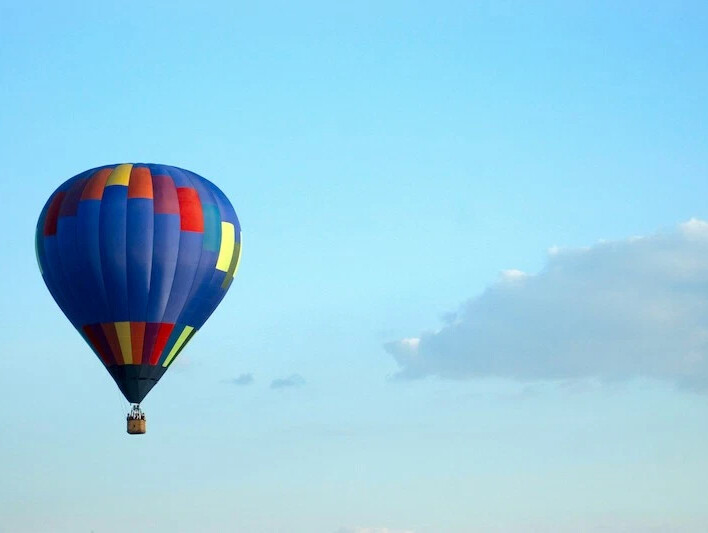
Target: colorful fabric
pixel 138 256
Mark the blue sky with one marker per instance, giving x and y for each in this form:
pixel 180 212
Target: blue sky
pixel 440 207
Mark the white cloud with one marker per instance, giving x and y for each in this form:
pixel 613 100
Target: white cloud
pixel 631 308
pixel 512 274
pixel 695 227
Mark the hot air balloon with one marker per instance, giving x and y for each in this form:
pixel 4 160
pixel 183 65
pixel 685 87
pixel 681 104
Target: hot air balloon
pixel 138 256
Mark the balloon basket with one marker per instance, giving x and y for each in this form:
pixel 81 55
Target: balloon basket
pixel 136 421
pixel 136 427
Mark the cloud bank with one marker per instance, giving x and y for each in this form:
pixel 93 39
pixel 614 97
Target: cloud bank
pixel 294 380
pixel 622 309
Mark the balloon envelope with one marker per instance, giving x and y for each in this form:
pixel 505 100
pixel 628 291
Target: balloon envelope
pixel 138 256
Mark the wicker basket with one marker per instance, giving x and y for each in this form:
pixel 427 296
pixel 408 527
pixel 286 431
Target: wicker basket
pixel 136 426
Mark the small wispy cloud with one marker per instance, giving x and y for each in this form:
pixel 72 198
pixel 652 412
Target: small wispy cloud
pixel 636 307
pixel 243 379
pixel 294 380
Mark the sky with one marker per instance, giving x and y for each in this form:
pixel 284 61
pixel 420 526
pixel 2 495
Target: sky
pixel 473 294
